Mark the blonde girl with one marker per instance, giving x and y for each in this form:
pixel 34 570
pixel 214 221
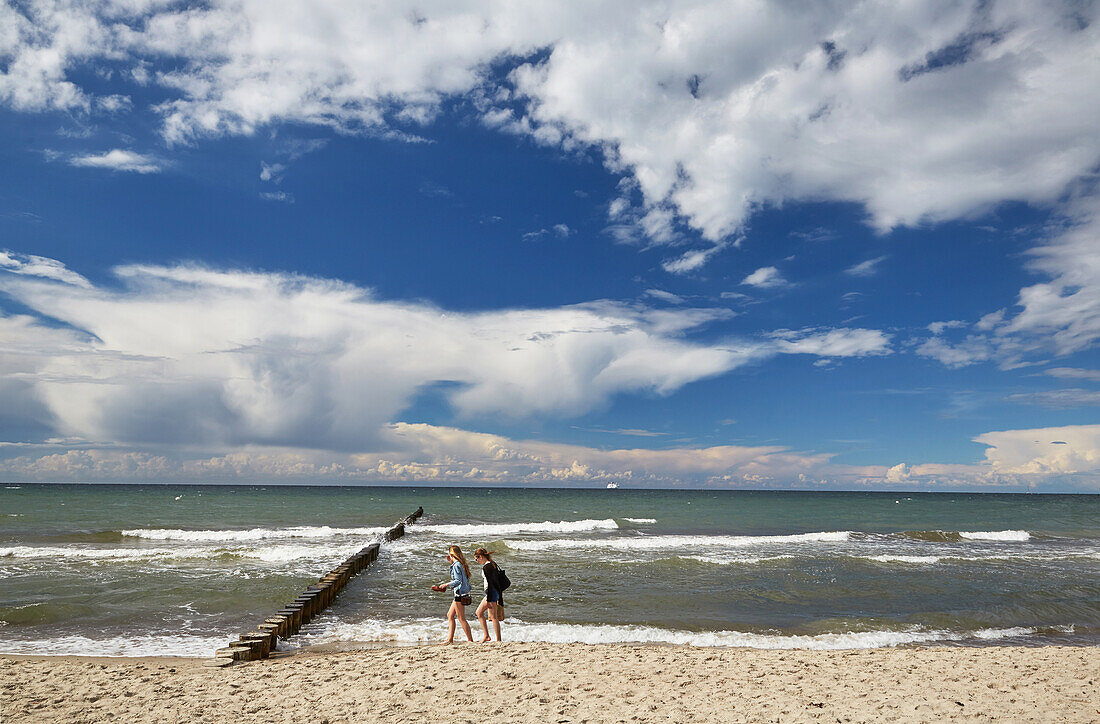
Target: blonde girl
pixel 460 585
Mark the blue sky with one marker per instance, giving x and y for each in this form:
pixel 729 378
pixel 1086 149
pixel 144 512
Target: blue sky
pixel 683 244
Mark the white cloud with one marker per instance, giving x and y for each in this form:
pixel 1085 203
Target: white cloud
pixel 1062 458
pixel 187 355
pixel 865 268
pixel 1073 373
pixel 1069 397
pixel 1073 449
pixel 114 103
pixel 1066 310
pixel 198 356
pixel 898 474
pixel 767 277
pixel 833 342
pixel 664 296
pixel 40 266
pixel 418 452
pixel 119 160
pixel 691 260
pixel 938 327
pixel 962 354
pixel 272 172
pixel 277 196
pixel 1060 316
pixel 561 231
pixel 921 112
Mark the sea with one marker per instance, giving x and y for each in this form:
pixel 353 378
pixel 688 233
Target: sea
pixel 136 570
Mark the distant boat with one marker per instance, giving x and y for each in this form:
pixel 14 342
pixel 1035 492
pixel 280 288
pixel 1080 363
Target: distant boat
pixel 612 486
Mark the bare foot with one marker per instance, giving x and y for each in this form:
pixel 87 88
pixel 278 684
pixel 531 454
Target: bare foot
pixel 484 640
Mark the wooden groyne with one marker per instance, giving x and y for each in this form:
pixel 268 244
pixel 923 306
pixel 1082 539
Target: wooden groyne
pixel 286 622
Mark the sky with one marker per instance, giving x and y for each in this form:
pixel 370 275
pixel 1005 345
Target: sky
pixel 735 244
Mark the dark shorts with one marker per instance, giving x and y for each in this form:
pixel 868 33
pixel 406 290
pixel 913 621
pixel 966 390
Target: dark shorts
pixel 494 596
pixel 465 599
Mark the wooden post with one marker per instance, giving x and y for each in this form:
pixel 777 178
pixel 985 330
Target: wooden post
pixel 254 644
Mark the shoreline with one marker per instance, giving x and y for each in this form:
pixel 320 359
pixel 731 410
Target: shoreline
pixel 352 647
pixel 527 682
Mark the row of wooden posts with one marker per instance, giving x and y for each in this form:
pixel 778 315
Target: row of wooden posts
pixel 259 644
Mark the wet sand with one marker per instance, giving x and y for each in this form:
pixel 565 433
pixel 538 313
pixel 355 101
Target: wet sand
pixel 523 682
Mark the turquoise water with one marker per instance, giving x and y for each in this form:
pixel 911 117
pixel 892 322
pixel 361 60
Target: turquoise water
pixel 129 570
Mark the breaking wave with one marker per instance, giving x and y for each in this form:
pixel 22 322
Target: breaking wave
pixel 1017 535
pixel 496 530
pixel 184 645
pixel 217 536
pixel 680 541
pixel 428 630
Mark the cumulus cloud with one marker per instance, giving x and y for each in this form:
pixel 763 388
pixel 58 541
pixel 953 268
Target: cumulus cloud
pixel 419 452
pixel 119 160
pixel 1067 457
pixel 767 277
pixel 195 356
pixel 922 112
pixel 1070 450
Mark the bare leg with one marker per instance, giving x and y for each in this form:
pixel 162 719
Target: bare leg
pixel 498 614
pixel 460 612
pixel 481 608
pixel 451 623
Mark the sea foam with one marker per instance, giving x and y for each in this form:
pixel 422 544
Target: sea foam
pixel 720 561
pixel 490 530
pixel 429 629
pixel 641 542
pixel 101 553
pixel 184 645
pixel 1014 535
pixel 216 536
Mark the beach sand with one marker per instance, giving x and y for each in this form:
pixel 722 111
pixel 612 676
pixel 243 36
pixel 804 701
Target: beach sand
pixel 561 683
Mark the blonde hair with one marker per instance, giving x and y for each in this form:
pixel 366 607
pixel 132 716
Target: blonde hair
pixel 487 555
pixel 457 553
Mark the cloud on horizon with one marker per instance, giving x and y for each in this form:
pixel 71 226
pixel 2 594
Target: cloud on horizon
pixel 1067 458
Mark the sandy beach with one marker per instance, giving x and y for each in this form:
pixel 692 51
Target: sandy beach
pixel 524 682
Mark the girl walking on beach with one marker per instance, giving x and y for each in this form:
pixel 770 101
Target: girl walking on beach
pixel 493 603
pixel 460 583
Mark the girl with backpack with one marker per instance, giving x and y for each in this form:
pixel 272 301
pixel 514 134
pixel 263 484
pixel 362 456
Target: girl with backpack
pixel 460 583
pixel 493 603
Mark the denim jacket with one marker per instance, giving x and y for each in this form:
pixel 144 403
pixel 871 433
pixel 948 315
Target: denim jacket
pixel 460 582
